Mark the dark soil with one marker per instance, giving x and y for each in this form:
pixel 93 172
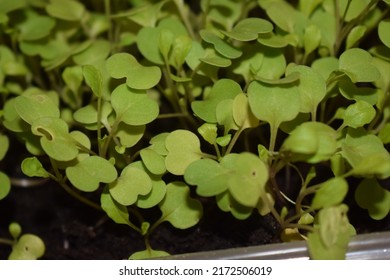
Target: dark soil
pixel 72 230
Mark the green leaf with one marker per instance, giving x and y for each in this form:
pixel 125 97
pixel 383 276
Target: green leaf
pixel 32 167
pixel 36 27
pixel 273 104
pixel 148 254
pixel 4 145
pixel 133 107
pixel 5 184
pixel 88 115
pixel 311 39
pixel 312 87
pixel 371 196
pixel 73 77
pixel 210 177
pixel 148 38
pixel 178 208
pixel 183 148
pixel 242 113
pixel 130 135
pixel 248 29
pixel 117 212
pixel 209 132
pixel 220 45
pixel 331 193
pixel 224 113
pixel 223 89
pixel 384 32
pixel 249 179
pixel 15 230
pixel 27 247
pixel 384 134
pixel 355 35
pixel 352 92
pixel 325 66
pixel 124 65
pixel 93 78
pixel 331 236
pixel 365 153
pixel 283 15
pixel 227 203
pixel 311 142
pixel 35 106
pixel 55 138
pixel 272 66
pixel 90 172
pixel 358 114
pixel 69 10
pixel 215 59
pixel 243 175
pixel 129 185
pixel 357 64
pixel 93 54
pixel 154 162
pixel 8 6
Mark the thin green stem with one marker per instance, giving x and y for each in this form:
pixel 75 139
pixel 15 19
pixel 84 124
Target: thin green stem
pixel 107 8
pixel 233 141
pixel 185 17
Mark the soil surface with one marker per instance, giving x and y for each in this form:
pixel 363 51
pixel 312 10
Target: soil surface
pixel 72 230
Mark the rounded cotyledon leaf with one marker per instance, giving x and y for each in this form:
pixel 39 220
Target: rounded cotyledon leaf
pixel 90 172
pixel 183 148
pixel 124 65
pixel 357 64
pixel 274 104
pixel 209 176
pixel 129 185
pixel 5 184
pixel 384 32
pixel 27 247
pixel 373 197
pixel 249 29
pixel 179 208
pixel 358 114
pixel 117 212
pixel 331 192
pixel 311 87
pixel 68 10
pixel 220 45
pixel 133 107
pixel 55 138
pixel 35 106
pixel 223 89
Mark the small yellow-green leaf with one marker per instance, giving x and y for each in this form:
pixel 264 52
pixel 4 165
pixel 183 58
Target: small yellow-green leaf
pixel 4 145
pixel 117 212
pixel 130 184
pixel 90 172
pixel 69 10
pixel 93 78
pixel 133 107
pixel 220 45
pixel 27 247
pixel 373 197
pixel 223 89
pixel 32 167
pixel 178 208
pixel 248 29
pixel 358 114
pixel 331 192
pixel 311 39
pixel 355 35
pixel 357 64
pixel 183 148
pixel 154 162
pixel 242 113
pixel 384 32
pixel 5 184
pixel 209 132
pixel 124 65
